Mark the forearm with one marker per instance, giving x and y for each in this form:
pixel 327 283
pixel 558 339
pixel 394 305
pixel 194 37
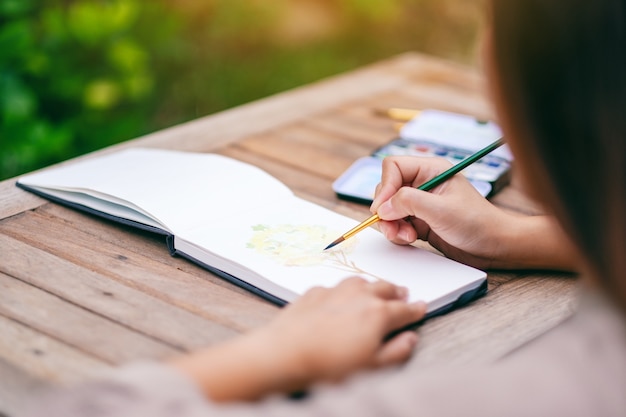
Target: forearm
pixel 535 242
pixel 239 370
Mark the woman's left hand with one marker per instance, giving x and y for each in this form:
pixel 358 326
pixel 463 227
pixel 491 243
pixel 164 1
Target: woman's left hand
pixel 326 335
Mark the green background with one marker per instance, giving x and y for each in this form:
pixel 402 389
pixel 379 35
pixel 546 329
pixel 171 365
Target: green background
pixel 76 76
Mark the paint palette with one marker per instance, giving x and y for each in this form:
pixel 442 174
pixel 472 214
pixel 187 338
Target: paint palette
pixel 489 169
pixel 433 134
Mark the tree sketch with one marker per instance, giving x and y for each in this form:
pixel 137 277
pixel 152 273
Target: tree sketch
pixel 303 245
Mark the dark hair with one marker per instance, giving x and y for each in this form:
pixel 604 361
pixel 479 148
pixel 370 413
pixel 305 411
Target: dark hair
pixel 561 75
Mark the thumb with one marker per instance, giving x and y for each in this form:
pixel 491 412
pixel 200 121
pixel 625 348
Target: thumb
pixel 410 201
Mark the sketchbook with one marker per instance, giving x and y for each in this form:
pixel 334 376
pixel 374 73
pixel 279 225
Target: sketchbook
pixel 241 223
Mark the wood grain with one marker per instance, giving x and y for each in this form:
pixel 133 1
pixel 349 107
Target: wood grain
pixel 53 316
pixel 516 310
pixel 44 357
pixel 171 286
pixel 13 200
pixel 93 291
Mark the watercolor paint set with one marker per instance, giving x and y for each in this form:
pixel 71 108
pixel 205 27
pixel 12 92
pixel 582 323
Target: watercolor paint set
pixel 433 134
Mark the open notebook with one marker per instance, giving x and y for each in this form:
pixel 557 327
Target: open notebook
pixel 245 225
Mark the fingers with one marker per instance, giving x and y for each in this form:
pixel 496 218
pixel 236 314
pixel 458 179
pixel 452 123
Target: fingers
pixel 381 289
pixel 405 171
pixel 399 348
pixel 399 232
pixel 389 291
pixel 388 302
pixel 394 309
pixel 396 350
pixel 391 181
pixel 400 314
pixel 412 202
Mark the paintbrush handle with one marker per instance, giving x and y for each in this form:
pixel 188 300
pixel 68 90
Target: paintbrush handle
pixel 429 185
pixel 366 223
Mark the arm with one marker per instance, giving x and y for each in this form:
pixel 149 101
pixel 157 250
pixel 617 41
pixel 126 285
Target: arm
pixel 547 371
pixel 324 336
pixel 462 224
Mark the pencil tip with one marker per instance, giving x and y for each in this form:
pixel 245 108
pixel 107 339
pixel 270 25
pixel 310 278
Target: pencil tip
pixel 335 243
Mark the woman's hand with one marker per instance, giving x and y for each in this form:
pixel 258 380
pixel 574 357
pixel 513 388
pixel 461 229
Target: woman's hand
pixel 455 219
pixel 331 332
pixel 326 335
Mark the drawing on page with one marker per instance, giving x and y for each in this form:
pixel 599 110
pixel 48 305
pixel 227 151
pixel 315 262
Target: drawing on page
pixel 302 245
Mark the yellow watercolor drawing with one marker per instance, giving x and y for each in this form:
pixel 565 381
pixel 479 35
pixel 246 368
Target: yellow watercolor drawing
pixel 303 245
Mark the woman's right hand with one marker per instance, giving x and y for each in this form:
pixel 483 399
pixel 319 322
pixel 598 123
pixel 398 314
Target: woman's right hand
pixel 455 219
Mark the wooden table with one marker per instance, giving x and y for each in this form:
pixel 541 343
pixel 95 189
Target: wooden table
pixel 79 294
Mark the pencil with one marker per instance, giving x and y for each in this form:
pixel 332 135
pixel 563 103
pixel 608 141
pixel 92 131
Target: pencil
pixel 427 186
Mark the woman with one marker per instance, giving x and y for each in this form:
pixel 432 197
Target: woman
pixel 557 71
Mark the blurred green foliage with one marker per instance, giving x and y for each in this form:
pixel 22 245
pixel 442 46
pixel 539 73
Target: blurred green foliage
pixel 78 75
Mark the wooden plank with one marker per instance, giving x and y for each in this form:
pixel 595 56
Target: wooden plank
pixel 226 308
pixel 43 357
pixel 146 244
pixel 366 113
pixel 437 96
pixel 335 124
pixel 513 313
pixel 423 67
pixel 304 148
pixel 50 315
pixel 15 200
pixel 97 293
